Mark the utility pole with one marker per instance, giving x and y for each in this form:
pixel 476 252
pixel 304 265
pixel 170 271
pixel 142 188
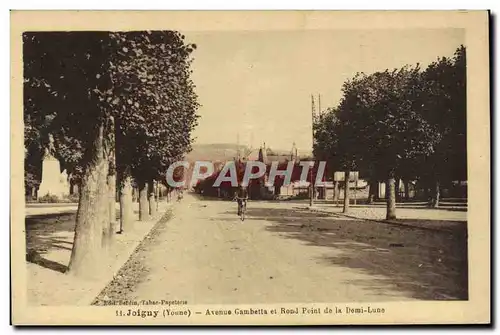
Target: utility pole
pixel 311 187
pixel 319 104
pixel 238 152
pixel 318 194
pixel 355 186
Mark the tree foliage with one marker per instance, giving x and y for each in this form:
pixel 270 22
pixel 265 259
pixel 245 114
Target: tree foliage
pixel 73 81
pixel 407 123
pixel 61 72
pixel 153 98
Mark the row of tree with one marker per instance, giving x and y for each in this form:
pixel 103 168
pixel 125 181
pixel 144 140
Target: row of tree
pixel 120 106
pixel 408 124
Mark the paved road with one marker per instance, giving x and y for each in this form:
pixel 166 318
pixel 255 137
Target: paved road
pixel 206 255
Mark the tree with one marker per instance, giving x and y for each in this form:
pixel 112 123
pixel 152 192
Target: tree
pixel 395 132
pixel 379 127
pixel 325 146
pixel 346 192
pixel 401 124
pixel 157 103
pixel 445 108
pixel 61 71
pixel 97 88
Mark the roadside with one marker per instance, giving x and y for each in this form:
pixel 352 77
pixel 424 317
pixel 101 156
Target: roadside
pixel 49 239
pixel 44 209
pixel 34 209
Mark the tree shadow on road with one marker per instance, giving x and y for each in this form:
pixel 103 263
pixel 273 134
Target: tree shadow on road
pixel 43 234
pixel 424 264
pixel 34 257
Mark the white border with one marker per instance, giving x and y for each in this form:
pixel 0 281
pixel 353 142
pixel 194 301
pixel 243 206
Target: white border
pixel 185 4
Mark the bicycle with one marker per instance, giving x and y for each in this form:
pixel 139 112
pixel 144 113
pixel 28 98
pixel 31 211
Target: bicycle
pixel 242 207
pixel 180 195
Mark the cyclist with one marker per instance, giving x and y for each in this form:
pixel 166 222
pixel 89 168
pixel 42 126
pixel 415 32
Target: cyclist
pixel 241 195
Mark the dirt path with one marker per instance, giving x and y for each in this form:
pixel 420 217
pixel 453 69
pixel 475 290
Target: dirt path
pixel 206 255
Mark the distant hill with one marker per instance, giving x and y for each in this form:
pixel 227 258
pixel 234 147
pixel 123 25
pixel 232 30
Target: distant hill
pixel 214 151
pixel 227 151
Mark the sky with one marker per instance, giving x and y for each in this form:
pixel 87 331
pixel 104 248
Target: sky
pixel 256 86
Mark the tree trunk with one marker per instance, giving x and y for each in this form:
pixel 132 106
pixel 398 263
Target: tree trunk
pixel 126 207
pixel 143 201
pixel 346 192
pixel 407 189
pixel 151 198
pixel 437 194
pixel 135 194
pixel 398 188
pixel 355 191
pixel 157 194
pixel 336 191
pixel 92 214
pixel 33 192
pixel 109 229
pixel 372 189
pixel 426 193
pixel 321 193
pixel 71 188
pixel 311 189
pixel 391 198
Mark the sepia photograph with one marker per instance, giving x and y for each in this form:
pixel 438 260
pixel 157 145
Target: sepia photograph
pixel 250 168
